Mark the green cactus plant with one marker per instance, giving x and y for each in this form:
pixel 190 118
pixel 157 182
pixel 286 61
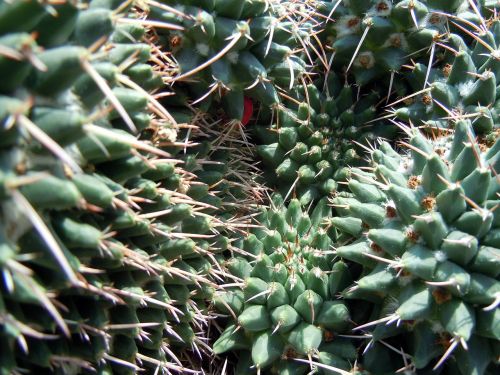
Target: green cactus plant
pixel 130 229
pixel 226 51
pixel 462 82
pixel 283 310
pixel 310 144
pixel 422 225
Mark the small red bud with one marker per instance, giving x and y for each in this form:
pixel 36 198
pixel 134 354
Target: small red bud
pixel 247 110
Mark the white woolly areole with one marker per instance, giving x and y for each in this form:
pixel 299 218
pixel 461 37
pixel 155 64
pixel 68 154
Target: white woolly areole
pixel 347 25
pixel 203 49
pixel 381 8
pixel 233 57
pixel 436 326
pixel 405 280
pixel 465 88
pixel 167 134
pixel 440 256
pixel 397 40
pixel 365 60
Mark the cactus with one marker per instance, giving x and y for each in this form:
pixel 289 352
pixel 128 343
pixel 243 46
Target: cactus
pixel 423 226
pixel 233 50
pixel 463 85
pixel 307 150
pixel 374 39
pixel 284 310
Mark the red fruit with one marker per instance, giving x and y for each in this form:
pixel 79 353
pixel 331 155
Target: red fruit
pixel 247 110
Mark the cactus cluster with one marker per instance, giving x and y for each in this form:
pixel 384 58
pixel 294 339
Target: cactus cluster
pixel 373 39
pixel 249 186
